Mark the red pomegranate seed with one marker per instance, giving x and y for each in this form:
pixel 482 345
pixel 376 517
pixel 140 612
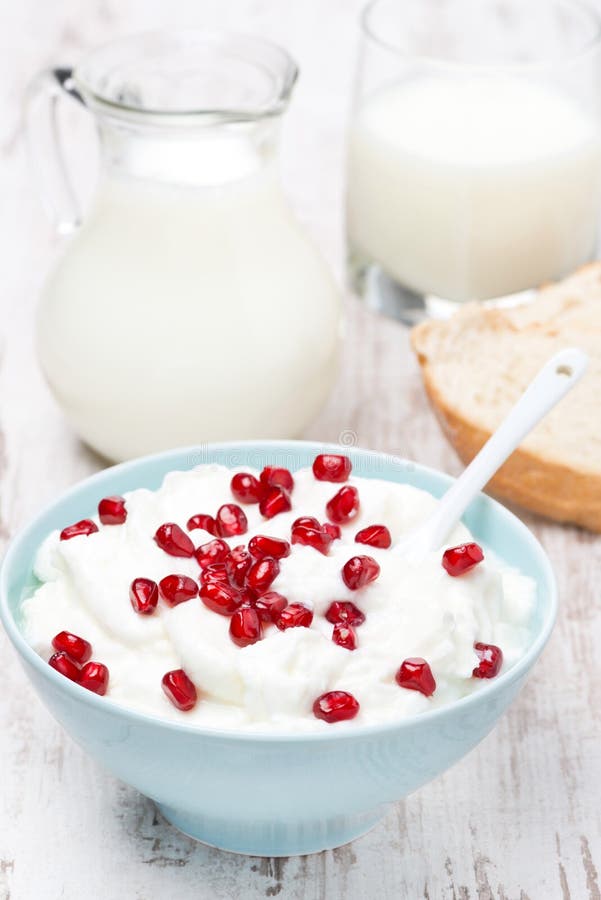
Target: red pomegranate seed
pixel 86 526
pixel 359 571
pixel 176 589
pixel 173 540
pixel 78 649
pixel 246 488
pixel 272 476
pixel 491 660
pixel 95 678
pixel 65 665
pixel 333 530
pixel 179 689
pixel 247 597
pixel 216 573
pixel 306 521
pixel 344 611
pixel 231 520
pixel 202 520
pixel 335 706
pixel 245 626
pixel 270 605
pixel 344 506
pixel 276 500
pixel 332 467
pixel 261 545
pixel 221 598
pixel 295 615
pixel 144 595
pixel 416 675
pixel 112 511
pixel 262 573
pixel 374 536
pixel 237 565
pixel 215 551
pixel 312 537
pixel 344 636
pixel 460 559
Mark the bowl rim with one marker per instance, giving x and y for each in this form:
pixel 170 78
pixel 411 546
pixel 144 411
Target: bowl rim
pixel 350 732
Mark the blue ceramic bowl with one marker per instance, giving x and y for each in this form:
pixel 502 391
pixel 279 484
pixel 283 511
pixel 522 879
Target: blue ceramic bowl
pixel 260 794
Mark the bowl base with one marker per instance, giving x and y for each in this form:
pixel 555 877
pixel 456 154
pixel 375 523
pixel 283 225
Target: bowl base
pixel 272 840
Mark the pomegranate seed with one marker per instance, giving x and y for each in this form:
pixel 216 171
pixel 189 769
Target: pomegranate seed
pixel 306 522
pixel 65 665
pixel 261 545
pixel 460 559
pixel 275 501
pixel 344 636
pixel 78 649
pixel 216 573
pixel 270 605
pixel 247 597
pixel 246 488
pixel 173 540
pixel 416 675
pixel 312 537
pixel 374 536
pixel 202 520
pixel 179 689
pixel 491 660
pixel 215 551
pixel 262 573
pixel 272 476
pixel 237 565
pixel 331 467
pixel 245 626
pixel 344 611
pixel 359 571
pixel 333 530
pixel 335 706
pixel 295 615
pixel 221 598
pixel 176 589
pixel 86 526
pixel 112 511
pixel 230 520
pixel 95 678
pixel 344 506
pixel 144 595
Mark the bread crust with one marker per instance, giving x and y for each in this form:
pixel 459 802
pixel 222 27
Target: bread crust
pixel 550 489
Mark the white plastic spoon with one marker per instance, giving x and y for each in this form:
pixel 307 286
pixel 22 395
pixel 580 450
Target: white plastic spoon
pixel 555 379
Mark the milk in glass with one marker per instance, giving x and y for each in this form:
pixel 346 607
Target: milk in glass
pixel 473 188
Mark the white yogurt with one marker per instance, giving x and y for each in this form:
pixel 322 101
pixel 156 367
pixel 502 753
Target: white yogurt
pixel 271 685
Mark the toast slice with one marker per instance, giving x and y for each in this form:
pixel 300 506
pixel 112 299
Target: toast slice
pixel 476 365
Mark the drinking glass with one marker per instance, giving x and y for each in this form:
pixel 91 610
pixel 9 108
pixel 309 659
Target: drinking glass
pixel 474 158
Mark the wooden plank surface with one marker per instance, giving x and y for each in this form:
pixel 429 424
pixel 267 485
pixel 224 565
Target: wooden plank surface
pixel 520 817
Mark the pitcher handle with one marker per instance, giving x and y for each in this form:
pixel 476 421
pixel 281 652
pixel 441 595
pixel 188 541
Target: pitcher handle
pixel 46 150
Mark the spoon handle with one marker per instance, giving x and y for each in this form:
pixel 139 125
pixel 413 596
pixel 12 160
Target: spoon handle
pixel 553 382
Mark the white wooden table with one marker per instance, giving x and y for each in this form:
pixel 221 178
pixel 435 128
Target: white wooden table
pixel 521 816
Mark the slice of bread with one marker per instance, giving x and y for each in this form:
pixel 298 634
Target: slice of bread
pixel 476 365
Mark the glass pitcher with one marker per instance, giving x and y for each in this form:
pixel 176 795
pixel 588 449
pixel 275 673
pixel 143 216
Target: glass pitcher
pixel 189 306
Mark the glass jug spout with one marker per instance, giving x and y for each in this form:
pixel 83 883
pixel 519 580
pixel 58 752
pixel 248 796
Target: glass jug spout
pixel 175 79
